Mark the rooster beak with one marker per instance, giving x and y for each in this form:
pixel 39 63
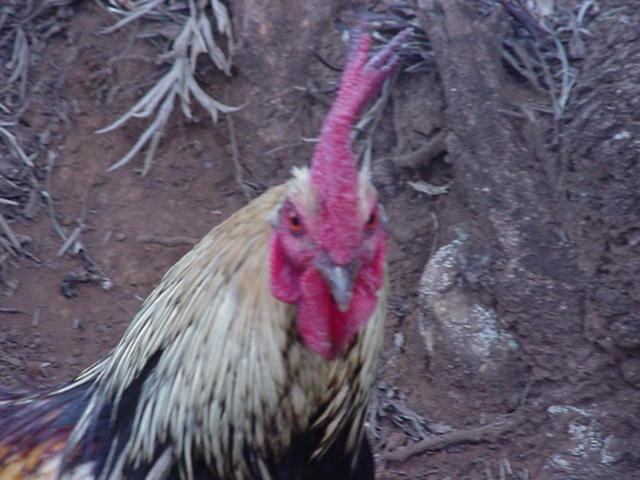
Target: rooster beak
pixel 340 279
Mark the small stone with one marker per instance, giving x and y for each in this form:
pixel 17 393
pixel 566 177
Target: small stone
pixel 398 340
pixel 66 220
pixel 120 236
pixel 623 135
pixel 36 368
pixel 439 428
pixel 45 137
pixel 630 368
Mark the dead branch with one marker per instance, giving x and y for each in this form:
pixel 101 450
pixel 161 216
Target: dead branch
pixel 371 118
pixel 235 156
pixel 5 201
pixel 10 310
pixel 422 157
pixel 524 17
pixel 486 433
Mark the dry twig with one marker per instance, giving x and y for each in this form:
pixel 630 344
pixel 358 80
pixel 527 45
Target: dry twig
pixel 386 405
pixel 235 156
pixel 166 241
pixel 372 118
pixel 6 229
pixel 486 433
pixel 10 310
pixel 16 147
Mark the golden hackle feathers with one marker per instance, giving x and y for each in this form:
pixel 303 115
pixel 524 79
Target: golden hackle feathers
pixel 232 372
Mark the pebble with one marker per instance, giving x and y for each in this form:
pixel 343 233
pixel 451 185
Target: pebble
pixel 630 368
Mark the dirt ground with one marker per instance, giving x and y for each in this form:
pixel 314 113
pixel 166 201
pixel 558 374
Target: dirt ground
pixel 582 425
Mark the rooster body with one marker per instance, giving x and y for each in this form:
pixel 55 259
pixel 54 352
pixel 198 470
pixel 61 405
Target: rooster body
pixel 255 356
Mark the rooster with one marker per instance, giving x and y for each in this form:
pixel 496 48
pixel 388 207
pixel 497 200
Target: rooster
pixel 256 355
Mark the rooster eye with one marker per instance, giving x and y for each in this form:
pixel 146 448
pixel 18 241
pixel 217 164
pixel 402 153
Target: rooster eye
pixel 295 224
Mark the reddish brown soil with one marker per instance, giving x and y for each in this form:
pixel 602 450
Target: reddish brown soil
pixel 87 80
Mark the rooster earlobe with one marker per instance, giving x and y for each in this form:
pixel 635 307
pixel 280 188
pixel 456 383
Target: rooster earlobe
pixel 285 278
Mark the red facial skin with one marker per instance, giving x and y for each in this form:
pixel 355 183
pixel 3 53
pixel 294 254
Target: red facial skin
pixel 295 253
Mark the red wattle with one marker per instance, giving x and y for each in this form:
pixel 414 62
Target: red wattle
pixel 323 328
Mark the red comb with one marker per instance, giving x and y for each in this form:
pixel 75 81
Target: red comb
pixel 334 172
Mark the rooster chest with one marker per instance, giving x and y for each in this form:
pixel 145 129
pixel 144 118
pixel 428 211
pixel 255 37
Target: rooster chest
pixel 320 404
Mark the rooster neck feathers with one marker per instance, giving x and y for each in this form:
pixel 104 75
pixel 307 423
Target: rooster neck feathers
pixel 218 368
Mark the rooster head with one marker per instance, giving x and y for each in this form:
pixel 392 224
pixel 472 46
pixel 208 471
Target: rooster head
pixel 328 244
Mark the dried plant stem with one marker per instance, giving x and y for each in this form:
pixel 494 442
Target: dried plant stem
pixel 16 147
pixel 233 142
pixel 178 84
pixel 134 15
pixel 6 229
pixel 372 117
pixel 486 433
